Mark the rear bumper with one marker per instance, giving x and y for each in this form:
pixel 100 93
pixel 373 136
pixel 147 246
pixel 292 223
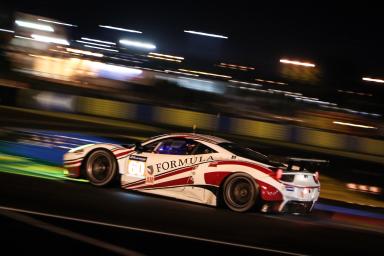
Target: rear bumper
pixel 298 207
pixel 291 206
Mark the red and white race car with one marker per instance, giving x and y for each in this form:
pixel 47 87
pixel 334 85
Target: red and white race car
pixel 200 168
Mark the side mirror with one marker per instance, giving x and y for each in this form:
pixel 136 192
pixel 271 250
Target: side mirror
pixel 138 147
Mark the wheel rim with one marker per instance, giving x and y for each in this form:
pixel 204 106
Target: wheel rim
pixel 240 192
pixel 100 167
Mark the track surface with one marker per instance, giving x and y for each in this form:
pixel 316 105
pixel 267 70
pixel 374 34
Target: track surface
pixel 65 217
pixel 131 220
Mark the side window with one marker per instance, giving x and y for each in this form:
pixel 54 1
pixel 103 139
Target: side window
pixel 176 147
pixel 203 149
pixel 150 147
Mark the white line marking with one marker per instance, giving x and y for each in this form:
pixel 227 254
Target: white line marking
pixel 151 231
pixel 66 232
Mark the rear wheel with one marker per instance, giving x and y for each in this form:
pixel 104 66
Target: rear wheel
pixel 240 192
pixel 101 168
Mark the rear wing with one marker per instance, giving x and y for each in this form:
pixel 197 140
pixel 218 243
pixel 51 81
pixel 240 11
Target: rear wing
pixel 309 164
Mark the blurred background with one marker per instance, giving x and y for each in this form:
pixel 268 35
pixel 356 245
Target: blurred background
pixel 288 77
pixel 292 80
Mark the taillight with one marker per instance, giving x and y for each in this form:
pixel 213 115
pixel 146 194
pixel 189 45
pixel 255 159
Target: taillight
pixel 279 174
pixel 317 175
pixel 306 191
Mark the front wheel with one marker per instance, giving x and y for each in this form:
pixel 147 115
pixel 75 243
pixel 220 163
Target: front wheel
pixel 240 192
pixel 101 168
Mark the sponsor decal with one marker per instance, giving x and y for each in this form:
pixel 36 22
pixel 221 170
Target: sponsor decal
pixel 182 162
pixel 138 158
pixel 136 166
pixel 149 175
pixel 289 188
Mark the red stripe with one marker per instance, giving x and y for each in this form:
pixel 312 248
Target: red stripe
pixel 269 192
pixel 136 183
pixel 119 158
pixel 162 176
pixel 181 181
pixel 297 186
pixel 72 162
pixel 251 165
pixel 215 178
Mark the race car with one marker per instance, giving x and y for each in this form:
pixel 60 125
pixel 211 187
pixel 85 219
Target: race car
pixel 202 169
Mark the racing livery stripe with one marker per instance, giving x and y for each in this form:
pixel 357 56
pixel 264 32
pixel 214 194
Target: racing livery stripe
pixel 136 183
pixel 298 186
pixel 268 192
pixel 211 188
pixel 78 160
pixel 181 181
pixel 195 166
pixel 122 157
pixel 162 175
pixel 71 162
pixel 215 178
pixel 248 164
pixel 117 149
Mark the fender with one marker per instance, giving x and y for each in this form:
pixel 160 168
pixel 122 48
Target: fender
pixel 73 160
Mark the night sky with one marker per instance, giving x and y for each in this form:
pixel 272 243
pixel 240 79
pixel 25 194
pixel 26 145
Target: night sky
pixel 345 41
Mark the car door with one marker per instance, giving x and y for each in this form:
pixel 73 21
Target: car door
pixel 205 156
pixel 136 168
pixel 166 164
pixel 173 164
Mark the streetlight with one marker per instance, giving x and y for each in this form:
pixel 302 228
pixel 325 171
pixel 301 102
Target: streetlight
pixel 205 34
pixel 298 63
pixel 121 29
pixel 137 44
pixel 375 80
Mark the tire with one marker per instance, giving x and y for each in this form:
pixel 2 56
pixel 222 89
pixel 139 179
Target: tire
pixel 240 192
pixel 101 168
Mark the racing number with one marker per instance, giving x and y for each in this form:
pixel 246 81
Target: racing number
pixel 136 168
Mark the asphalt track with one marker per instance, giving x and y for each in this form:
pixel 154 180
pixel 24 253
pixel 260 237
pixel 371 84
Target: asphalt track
pixel 64 217
pixel 154 225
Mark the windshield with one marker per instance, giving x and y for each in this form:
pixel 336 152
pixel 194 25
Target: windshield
pixel 246 152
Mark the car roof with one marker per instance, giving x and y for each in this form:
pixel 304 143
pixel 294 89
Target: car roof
pixel 194 136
